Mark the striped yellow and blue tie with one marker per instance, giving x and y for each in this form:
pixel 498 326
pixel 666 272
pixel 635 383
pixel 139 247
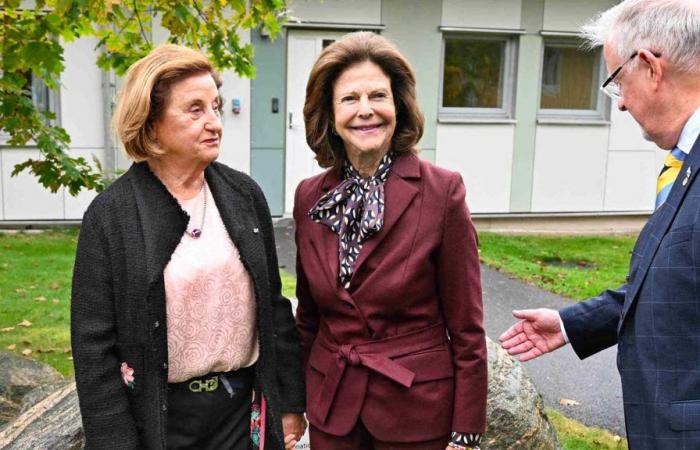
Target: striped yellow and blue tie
pixel 672 166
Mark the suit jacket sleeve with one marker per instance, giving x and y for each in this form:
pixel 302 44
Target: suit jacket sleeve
pixel 460 295
pixel 290 378
pixel 307 317
pixel 107 419
pixel 591 326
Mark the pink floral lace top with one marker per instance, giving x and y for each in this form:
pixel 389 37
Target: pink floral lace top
pixel 210 302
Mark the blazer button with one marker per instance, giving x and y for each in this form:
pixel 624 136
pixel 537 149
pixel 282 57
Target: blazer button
pixel 165 366
pixel 156 324
pixel 164 407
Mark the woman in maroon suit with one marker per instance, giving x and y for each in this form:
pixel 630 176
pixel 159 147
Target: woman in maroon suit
pixel 390 310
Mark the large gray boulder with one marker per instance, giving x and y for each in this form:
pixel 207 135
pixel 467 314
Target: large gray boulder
pixel 53 423
pixel 50 419
pixel 19 376
pixel 515 410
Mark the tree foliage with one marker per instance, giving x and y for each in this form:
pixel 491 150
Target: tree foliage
pixel 32 39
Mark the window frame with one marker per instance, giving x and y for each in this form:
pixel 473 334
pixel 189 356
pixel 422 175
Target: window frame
pixel 508 83
pixel 53 103
pixel 602 106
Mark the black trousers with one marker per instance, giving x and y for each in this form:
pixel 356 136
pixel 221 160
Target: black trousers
pixel 211 420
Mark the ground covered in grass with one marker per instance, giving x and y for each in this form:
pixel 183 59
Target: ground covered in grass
pixel 573 266
pixel 574 435
pixel 35 281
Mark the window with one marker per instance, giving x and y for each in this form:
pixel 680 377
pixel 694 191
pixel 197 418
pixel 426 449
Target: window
pixel 571 77
pixel 477 76
pixel 43 98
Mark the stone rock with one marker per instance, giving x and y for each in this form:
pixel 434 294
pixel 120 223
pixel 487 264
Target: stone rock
pixel 515 410
pixel 18 376
pixel 52 424
pixel 41 392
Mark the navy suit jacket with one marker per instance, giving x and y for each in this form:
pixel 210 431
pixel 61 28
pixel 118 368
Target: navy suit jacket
pixel 655 320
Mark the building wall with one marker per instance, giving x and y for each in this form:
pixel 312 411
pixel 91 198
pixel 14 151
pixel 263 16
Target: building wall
pixel 519 163
pixel 80 100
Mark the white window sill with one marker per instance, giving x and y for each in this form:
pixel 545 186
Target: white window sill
pixel 572 121
pixel 477 120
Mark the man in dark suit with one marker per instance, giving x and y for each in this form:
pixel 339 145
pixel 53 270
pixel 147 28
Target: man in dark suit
pixel 652 51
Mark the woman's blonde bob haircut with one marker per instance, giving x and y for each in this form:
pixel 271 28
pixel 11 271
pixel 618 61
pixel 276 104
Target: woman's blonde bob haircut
pixel 145 95
pixel 351 49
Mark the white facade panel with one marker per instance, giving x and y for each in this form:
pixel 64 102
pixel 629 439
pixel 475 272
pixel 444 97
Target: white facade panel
pixel 631 181
pixel 483 154
pixel 626 134
pixel 569 172
pixel 23 197
pixel 481 13
pixel 235 144
pixel 569 15
pixel 81 95
pixel 336 11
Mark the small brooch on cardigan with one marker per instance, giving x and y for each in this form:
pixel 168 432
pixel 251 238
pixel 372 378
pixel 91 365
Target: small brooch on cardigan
pixel 128 375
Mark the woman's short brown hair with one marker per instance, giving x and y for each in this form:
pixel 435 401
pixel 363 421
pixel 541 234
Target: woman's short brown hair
pixel 145 95
pixel 352 49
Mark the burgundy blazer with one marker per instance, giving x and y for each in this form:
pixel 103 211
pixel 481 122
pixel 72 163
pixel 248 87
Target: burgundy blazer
pixel 404 347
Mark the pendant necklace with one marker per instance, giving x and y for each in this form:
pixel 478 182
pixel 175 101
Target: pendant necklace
pixel 197 232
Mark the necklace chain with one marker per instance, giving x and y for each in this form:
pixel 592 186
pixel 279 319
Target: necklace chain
pixel 197 232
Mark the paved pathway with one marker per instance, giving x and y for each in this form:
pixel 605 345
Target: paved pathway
pixel 594 383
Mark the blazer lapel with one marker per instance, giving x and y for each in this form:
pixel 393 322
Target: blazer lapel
pixel 399 190
pixel 163 222
pixel 237 212
pixel 328 250
pixel 666 213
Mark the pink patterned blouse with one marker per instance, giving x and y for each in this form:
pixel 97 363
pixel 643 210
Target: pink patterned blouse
pixel 210 302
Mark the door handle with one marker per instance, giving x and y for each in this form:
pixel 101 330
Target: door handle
pixel 291 116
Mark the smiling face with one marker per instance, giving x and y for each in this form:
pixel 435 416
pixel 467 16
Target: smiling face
pixel 189 129
pixel 364 112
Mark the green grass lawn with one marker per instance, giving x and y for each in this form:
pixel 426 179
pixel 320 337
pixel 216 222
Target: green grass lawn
pixel 574 435
pixel 572 266
pixel 35 281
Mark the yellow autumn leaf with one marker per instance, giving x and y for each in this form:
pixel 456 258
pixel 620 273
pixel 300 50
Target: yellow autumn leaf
pixel 12 346
pixel 25 323
pixel 27 351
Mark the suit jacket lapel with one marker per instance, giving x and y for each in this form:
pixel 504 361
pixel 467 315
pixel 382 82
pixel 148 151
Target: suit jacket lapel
pixel 662 221
pixel 237 212
pixel 399 190
pixel 328 250
pixel 163 222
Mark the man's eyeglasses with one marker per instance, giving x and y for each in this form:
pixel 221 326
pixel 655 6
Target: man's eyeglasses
pixel 611 88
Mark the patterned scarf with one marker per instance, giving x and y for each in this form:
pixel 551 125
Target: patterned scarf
pixel 354 210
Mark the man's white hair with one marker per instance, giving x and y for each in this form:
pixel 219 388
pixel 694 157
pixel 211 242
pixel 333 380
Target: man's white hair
pixel 670 27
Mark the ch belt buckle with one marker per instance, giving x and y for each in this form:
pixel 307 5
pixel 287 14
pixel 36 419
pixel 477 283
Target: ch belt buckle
pixel 209 385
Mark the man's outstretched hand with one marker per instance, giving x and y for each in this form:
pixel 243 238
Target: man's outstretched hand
pixel 538 332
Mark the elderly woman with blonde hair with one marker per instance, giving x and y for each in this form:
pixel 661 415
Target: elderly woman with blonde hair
pixel 177 312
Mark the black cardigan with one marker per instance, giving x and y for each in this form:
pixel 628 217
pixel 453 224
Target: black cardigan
pixel 118 313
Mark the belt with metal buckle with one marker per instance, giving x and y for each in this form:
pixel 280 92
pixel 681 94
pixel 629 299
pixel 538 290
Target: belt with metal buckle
pixel 204 385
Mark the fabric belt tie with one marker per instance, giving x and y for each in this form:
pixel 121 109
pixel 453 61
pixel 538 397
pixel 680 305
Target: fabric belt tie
pixel 376 356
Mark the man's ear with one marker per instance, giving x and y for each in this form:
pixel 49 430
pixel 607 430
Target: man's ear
pixel 655 66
